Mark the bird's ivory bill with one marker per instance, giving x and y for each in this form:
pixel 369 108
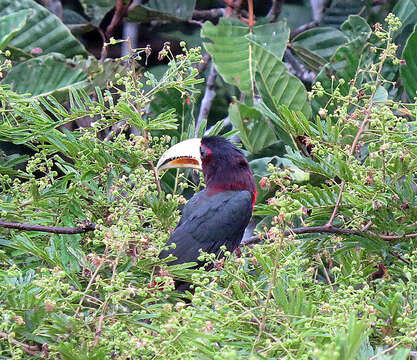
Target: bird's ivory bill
pixel 185 154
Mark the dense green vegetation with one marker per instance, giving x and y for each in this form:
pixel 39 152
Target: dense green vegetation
pixel 331 272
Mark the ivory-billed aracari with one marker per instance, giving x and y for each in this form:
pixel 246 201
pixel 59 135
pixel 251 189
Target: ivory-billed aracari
pixel 219 214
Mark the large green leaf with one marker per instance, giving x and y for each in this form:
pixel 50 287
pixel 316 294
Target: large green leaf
pixel 97 9
pixel 277 86
pixel 315 46
pixel 77 23
pixel 406 11
pixel 10 25
pixel 254 130
pixel 310 59
pixel 272 37
pixel 339 11
pixel 45 75
pixel 323 41
pixel 166 10
pixel 356 27
pixel 409 71
pixel 344 63
pixel 232 48
pixel 43 30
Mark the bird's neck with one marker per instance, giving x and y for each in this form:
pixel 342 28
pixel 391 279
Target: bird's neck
pixel 231 181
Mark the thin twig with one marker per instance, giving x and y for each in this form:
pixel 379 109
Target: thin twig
pixel 115 130
pixel 399 257
pixel 155 173
pixel 119 13
pixel 384 351
pixel 50 229
pixel 303 28
pixel 367 226
pixel 209 95
pixel 267 300
pixel 338 202
pixel 325 273
pixel 211 14
pixel 394 237
pixel 91 281
pixel 32 350
pixel 99 326
pixel 357 137
pixel 105 305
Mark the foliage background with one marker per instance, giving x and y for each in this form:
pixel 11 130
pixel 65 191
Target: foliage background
pixel 321 97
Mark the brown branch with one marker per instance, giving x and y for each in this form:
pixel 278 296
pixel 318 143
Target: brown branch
pixel 367 226
pixel 233 8
pixel 99 326
pixel 211 14
pixel 338 202
pixel 250 9
pixel 120 12
pixel 399 257
pixel 303 28
pixel 296 68
pixel 275 10
pixel 32 350
pixel 325 229
pixel 394 237
pixel 209 95
pixel 50 229
pixel 202 66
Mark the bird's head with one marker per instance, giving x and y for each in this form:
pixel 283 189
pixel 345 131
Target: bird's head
pixel 224 166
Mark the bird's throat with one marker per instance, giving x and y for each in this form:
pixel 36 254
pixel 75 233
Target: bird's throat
pixel 214 189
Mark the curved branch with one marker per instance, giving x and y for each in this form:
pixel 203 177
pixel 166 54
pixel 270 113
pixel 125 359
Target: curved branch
pixel 28 349
pixel 50 229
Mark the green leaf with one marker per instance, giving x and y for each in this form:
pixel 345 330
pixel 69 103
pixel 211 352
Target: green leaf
pixel 254 130
pixel 322 41
pixel 356 27
pixel 406 11
pixel 381 95
pixel 409 71
pixel 311 60
pixel 10 25
pixel 166 10
pixel 43 30
pixel 232 48
pixel 97 9
pixel 277 86
pixel 45 75
pixel 340 10
pixel 271 37
pixel 346 60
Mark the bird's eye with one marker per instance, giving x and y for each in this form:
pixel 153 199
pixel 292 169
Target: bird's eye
pixel 203 152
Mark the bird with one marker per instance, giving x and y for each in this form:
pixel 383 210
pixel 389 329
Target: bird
pixel 217 215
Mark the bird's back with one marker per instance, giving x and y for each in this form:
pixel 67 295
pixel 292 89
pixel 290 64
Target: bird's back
pixel 208 222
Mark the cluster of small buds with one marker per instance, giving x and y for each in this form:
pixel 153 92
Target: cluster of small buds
pixel 317 90
pixel 394 23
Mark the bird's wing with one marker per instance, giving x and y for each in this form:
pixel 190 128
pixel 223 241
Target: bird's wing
pixel 208 222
